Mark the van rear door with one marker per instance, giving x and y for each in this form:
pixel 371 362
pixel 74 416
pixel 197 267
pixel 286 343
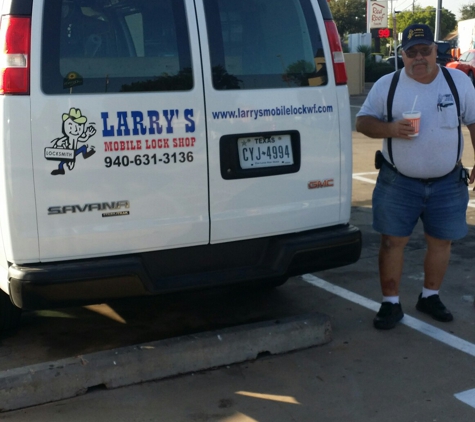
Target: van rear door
pixel 273 119
pixel 118 131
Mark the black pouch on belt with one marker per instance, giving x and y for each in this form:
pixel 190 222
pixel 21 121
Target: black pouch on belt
pixel 378 159
pixel 465 175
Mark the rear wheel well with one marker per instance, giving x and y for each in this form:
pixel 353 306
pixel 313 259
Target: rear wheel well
pixel 9 314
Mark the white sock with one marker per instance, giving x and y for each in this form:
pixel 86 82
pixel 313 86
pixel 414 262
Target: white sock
pixel 391 299
pixel 429 292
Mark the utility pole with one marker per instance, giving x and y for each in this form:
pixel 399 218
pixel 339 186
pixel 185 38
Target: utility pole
pixel 395 38
pixel 437 20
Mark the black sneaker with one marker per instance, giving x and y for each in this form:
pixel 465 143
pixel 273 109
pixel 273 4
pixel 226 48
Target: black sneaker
pixel 433 306
pixel 388 316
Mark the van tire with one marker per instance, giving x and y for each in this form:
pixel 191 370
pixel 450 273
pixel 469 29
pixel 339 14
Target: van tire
pixel 9 314
pixel 274 282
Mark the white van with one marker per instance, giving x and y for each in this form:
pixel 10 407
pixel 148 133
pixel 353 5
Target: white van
pixel 154 146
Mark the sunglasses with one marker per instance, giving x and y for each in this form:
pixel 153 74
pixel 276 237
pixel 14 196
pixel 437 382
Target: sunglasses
pixel 412 52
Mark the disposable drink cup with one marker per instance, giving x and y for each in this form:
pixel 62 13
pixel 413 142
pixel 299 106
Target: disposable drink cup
pixel 415 118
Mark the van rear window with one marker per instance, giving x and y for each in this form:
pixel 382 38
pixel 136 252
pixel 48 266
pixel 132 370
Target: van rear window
pixel 257 44
pixel 109 46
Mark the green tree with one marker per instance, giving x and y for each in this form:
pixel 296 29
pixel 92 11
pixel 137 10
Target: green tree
pixel 467 11
pixel 448 21
pixel 349 16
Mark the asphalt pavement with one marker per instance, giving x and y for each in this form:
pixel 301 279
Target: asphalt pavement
pixel 422 371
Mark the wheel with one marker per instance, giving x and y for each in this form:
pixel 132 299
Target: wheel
pixel 273 282
pixel 9 314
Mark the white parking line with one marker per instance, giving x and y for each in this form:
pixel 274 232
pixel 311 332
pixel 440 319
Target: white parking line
pixel 468 397
pixel 361 178
pixel 422 327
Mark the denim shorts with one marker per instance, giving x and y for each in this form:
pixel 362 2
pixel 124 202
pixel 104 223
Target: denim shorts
pixel 399 202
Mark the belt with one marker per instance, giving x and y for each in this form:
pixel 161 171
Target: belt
pixel 429 180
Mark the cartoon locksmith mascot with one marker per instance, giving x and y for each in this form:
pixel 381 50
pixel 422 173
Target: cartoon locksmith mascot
pixel 66 148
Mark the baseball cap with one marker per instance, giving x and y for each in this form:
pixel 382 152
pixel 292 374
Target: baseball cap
pixel 417 33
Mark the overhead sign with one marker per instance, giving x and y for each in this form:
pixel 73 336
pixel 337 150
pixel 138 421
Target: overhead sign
pixel 378 14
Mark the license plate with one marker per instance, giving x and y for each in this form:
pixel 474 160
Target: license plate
pixel 265 151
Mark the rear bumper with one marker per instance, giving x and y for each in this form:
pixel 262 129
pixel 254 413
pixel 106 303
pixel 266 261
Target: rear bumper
pixel 79 282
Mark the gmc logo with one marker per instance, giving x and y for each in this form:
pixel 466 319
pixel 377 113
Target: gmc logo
pixel 317 184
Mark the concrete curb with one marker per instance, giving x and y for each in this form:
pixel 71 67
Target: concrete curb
pixel 51 381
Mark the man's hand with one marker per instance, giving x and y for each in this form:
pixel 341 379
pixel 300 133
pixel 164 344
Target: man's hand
pixel 401 129
pixel 472 176
pixel 375 128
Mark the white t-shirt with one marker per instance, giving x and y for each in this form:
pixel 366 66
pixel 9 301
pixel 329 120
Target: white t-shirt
pixel 434 152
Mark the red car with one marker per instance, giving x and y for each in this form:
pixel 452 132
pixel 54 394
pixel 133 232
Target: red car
pixel 466 63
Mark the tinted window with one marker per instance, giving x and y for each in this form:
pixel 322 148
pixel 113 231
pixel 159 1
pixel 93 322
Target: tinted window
pixel 264 44
pixel 107 46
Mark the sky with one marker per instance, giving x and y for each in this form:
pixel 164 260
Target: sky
pixel 452 5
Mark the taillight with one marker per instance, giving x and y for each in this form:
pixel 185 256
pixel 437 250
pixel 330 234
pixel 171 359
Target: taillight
pixel 14 66
pixel 337 53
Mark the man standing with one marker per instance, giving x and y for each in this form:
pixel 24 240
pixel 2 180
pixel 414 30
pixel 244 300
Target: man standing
pixel 420 176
